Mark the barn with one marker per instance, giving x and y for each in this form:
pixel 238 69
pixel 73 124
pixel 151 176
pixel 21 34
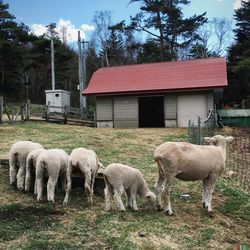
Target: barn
pixel 165 94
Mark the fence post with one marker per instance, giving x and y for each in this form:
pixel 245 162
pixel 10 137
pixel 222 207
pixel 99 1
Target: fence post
pixel 48 111
pixel 65 115
pixel 27 110
pixel 199 130
pixel 1 109
pixel 22 112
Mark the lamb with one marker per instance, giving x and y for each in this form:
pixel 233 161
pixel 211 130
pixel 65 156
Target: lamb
pixel 53 164
pixel 189 162
pixel 17 161
pixel 31 168
pixel 85 163
pixel 121 179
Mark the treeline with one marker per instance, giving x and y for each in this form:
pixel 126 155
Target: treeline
pixel 166 36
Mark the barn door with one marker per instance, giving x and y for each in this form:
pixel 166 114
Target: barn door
pixel 126 112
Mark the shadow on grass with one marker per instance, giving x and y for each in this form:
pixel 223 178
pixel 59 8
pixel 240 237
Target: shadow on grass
pixel 16 220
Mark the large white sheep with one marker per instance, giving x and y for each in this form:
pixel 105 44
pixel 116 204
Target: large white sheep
pixel 189 162
pixel 120 179
pixel 51 163
pixel 82 162
pixel 31 168
pixel 17 161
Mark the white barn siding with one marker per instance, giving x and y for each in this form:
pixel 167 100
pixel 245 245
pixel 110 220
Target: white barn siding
pixel 189 107
pixel 126 112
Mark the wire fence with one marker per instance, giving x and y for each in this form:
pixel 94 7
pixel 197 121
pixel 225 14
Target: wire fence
pixel 238 151
pixel 238 160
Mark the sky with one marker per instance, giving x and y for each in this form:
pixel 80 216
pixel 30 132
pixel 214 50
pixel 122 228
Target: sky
pixel 78 14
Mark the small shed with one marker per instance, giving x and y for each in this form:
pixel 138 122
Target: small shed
pixel 57 99
pixel 166 94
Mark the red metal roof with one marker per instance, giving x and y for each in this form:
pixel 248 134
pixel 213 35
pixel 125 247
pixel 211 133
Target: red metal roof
pixel 159 77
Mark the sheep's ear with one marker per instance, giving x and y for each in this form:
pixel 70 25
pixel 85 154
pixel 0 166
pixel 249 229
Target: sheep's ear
pixel 210 140
pixel 229 139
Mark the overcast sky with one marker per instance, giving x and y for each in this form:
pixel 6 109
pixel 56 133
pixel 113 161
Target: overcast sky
pixel 78 14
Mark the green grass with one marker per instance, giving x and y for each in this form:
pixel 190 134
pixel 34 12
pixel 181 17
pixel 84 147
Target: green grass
pixel 27 224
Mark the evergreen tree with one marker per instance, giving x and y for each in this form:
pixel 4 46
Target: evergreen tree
pixel 115 49
pixel 164 21
pixel 14 44
pixel 239 56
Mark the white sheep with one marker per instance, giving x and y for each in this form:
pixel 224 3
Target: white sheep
pixel 189 162
pixel 82 162
pixel 51 163
pixel 17 161
pixel 31 168
pixel 120 179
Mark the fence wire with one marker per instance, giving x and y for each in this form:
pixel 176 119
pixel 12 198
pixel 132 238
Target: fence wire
pixel 238 162
pixel 238 151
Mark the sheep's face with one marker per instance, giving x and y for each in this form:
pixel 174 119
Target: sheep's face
pixel 151 197
pixel 218 140
pixel 149 201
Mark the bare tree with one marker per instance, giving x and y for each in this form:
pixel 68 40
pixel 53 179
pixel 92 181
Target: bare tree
pixel 63 34
pixel 102 20
pixel 222 29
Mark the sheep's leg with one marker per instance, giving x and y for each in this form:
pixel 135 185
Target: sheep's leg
pixel 28 175
pixel 63 183
pixel 205 193
pixel 87 187
pixel 159 191
pixel 39 183
pixel 210 190
pixel 13 169
pixel 69 183
pixel 21 176
pixel 93 175
pixel 108 197
pixel 51 185
pixel 27 180
pixel 166 194
pixel 35 187
pixel 118 193
pixel 129 201
pixel 134 204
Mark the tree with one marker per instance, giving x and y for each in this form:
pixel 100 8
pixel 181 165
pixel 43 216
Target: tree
pixel 163 20
pixel 115 49
pixel 14 60
pixel 239 56
pixel 102 20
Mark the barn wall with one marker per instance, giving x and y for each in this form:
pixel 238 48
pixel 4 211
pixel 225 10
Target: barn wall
pixel 126 113
pixel 104 112
pixel 210 100
pixel 123 112
pixel 170 110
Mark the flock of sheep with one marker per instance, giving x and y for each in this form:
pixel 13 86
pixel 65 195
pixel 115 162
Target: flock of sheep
pixel 188 162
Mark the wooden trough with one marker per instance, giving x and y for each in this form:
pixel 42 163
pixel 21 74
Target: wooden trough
pixel 76 180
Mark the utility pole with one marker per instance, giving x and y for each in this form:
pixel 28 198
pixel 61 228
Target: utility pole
pixel 51 28
pixel 82 72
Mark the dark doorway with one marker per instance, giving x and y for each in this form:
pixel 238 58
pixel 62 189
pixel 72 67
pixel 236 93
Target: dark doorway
pixel 151 112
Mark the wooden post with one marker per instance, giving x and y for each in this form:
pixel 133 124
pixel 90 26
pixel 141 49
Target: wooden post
pixel 1 109
pixel 22 112
pixel 65 115
pixel 27 110
pixel 48 111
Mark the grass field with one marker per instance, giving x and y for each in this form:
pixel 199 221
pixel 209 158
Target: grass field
pixel 26 224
